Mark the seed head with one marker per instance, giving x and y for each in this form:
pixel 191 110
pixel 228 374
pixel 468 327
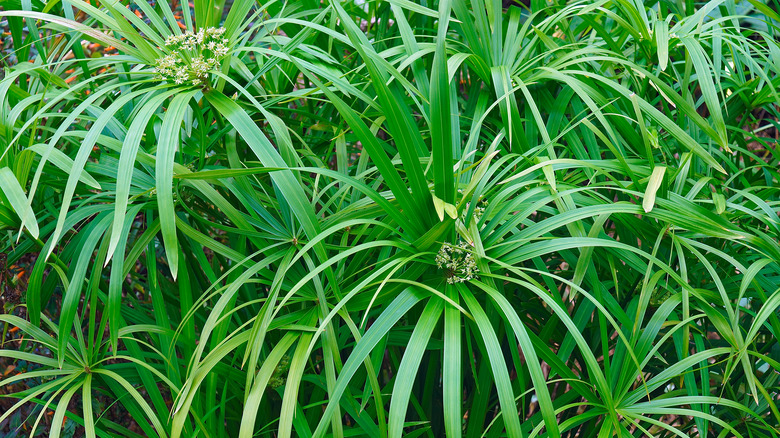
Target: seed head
pixel 458 262
pixel 193 55
pixel 479 210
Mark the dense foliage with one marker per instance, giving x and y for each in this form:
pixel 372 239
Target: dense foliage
pixel 393 218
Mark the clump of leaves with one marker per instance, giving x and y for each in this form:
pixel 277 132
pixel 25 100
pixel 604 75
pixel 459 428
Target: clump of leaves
pixel 269 221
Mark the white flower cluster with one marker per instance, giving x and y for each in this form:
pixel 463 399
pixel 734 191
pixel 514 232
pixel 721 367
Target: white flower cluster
pixel 458 261
pixel 193 55
pixel 479 210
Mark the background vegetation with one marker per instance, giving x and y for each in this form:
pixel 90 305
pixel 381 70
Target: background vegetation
pixel 390 218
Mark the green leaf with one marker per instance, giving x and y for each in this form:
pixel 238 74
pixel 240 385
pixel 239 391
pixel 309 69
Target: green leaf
pixel 168 143
pixel 391 314
pixel 410 363
pixel 441 117
pixel 16 197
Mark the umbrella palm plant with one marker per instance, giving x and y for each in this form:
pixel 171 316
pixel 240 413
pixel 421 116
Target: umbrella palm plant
pixel 391 219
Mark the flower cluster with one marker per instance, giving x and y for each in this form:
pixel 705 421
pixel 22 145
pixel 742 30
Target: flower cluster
pixel 479 210
pixel 458 261
pixel 193 55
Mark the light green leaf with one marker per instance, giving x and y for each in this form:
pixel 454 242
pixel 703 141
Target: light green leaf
pixel 653 185
pixel 15 194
